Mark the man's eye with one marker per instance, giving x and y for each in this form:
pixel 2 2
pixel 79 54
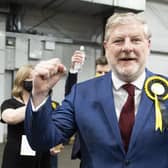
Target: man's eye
pixel 118 41
pixel 99 72
pixel 136 40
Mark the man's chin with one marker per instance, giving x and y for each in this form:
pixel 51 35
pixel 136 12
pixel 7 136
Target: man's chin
pixel 127 73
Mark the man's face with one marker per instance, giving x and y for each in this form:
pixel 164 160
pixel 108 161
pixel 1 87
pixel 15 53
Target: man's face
pixel 102 69
pixel 126 50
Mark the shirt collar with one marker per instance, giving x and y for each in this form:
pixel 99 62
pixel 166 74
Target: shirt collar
pixel 117 83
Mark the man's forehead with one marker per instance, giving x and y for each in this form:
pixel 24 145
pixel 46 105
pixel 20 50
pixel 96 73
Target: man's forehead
pixel 127 28
pixel 127 32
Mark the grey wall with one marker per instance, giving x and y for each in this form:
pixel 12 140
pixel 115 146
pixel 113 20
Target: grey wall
pixel 20 54
pixel 2 66
pixel 156 15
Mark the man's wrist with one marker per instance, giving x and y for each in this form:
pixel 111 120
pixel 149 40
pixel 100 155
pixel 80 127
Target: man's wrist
pixel 37 99
pixel 36 108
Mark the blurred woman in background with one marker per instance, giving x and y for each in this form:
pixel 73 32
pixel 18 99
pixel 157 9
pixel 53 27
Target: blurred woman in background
pixel 17 153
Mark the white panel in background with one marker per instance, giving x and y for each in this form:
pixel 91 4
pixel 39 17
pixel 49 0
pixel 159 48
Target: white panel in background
pixel 21 52
pixel 34 49
pixel 49 45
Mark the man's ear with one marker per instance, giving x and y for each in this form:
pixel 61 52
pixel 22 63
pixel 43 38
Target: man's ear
pixel 105 44
pixel 149 43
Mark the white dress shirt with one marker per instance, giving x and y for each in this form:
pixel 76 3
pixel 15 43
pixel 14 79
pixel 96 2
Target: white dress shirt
pixel 120 95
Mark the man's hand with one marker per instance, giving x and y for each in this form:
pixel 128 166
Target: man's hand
pixel 45 75
pixel 77 57
pixel 56 149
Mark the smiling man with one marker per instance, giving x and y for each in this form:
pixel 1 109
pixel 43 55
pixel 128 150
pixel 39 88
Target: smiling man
pixel 119 116
pixel 127 46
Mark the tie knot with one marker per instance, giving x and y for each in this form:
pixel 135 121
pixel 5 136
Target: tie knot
pixel 129 88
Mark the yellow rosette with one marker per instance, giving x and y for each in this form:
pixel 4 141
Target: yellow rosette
pixel 156 88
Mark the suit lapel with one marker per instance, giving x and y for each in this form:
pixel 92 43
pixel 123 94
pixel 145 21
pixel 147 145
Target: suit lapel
pixel 107 102
pixel 144 111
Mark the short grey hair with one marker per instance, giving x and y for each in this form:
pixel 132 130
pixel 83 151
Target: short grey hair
pixel 124 18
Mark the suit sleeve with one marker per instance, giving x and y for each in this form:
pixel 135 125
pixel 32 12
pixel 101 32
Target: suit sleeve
pixel 70 81
pixel 45 128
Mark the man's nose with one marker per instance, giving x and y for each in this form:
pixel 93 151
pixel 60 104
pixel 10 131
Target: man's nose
pixel 127 46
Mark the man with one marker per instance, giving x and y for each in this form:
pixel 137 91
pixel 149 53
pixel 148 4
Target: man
pixel 95 108
pixel 102 66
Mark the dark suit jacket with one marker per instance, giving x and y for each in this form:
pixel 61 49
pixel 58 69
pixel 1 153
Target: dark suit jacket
pixel 70 81
pixel 89 108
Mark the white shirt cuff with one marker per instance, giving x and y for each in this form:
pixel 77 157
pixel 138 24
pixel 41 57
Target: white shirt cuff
pixel 35 109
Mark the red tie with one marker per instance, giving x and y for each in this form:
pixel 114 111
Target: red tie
pixel 126 120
